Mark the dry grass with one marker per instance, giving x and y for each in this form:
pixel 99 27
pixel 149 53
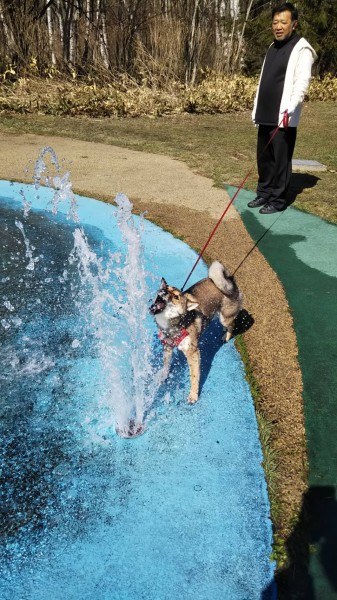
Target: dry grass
pixel 125 97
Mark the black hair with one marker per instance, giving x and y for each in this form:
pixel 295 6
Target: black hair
pixel 286 6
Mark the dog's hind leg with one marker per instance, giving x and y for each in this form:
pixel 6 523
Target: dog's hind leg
pixel 228 323
pixel 229 332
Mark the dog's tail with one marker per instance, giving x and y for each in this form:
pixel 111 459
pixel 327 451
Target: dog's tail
pixel 222 278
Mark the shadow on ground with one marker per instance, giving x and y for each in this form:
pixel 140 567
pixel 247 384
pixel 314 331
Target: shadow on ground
pixel 300 182
pixel 210 343
pixel 317 525
pixel 211 340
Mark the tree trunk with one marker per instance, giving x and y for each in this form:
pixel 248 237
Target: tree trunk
pixel 240 43
pixel 103 42
pixel 51 36
pixel 191 67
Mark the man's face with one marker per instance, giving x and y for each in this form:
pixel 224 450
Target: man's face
pixel 282 25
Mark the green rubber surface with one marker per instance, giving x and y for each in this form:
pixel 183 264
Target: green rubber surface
pixel 302 250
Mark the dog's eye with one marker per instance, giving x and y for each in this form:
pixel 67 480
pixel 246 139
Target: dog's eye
pixel 176 296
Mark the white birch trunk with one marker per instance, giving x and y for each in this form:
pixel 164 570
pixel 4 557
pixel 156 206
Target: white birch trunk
pixel 7 30
pixel 230 48
pixel 69 18
pixel 87 19
pixel 103 42
pixel 235 8
pixel 191 67
pixel 240 44
pixel 51 36
pixel 60 20
pixel 220 15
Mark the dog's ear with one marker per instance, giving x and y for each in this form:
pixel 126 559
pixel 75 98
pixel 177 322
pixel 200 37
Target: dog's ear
pixel 163 284
pixel 192 302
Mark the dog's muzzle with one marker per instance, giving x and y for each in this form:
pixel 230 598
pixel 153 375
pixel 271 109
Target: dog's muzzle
pixel 158 306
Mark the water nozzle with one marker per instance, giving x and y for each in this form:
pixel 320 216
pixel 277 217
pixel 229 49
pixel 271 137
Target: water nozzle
pixel 131 430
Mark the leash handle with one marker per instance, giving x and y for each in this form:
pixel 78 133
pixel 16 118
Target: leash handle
pixel 285 120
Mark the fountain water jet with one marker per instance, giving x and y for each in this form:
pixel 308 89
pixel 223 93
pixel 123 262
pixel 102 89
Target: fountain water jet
pixel 113 303
pixel 61 184
pixel 116 315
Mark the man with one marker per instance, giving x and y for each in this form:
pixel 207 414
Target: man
pixel 284 80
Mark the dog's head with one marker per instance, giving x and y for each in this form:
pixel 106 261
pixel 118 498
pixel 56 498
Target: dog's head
pixel 172 301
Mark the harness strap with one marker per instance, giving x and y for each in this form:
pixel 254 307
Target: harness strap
pixel 173 342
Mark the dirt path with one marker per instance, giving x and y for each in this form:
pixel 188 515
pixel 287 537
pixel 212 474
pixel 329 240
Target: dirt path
pixel 188 205
pixel 103 171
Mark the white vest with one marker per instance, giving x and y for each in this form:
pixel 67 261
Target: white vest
pixel 296 82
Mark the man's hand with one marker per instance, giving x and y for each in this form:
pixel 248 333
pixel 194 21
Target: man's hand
pixel 285 121
pixel 290 110
pixel 287 112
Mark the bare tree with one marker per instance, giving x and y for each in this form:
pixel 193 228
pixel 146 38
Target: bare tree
pixel 239 51
pixel 51 35
pixel 183 37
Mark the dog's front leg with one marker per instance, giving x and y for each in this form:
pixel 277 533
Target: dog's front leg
pixel 167 363
pixel 193 359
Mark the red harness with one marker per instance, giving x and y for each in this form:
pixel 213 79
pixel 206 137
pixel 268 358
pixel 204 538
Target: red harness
pixel 175 341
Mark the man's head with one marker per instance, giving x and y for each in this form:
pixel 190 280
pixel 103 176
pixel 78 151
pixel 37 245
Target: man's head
pixel 284 21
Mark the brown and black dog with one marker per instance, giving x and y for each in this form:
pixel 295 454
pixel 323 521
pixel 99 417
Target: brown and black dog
pixel 182 316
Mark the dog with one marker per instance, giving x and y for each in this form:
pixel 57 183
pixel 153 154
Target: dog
pixel 181 317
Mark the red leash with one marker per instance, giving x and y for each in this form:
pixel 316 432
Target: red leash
pixel 284 122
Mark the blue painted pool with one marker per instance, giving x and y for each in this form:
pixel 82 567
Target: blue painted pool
pixel 179 512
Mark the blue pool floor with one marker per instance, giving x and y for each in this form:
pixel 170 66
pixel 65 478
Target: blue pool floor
pixel 179 512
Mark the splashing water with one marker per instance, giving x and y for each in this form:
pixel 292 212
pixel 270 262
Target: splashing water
pixel 135 311
pixel 41 167
pixel 112 301
pixel 62 185
pixel 29 248
pixel 116 315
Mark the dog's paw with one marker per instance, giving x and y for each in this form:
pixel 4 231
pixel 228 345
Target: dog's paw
pixel 227 336
pixel 192 399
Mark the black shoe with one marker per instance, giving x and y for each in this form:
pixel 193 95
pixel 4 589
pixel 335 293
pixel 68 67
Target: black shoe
pixel 268 209
pixel 258 201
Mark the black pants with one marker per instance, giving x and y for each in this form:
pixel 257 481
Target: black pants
pixel 274 163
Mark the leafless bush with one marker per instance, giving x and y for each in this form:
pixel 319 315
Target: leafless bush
pixel 124 96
